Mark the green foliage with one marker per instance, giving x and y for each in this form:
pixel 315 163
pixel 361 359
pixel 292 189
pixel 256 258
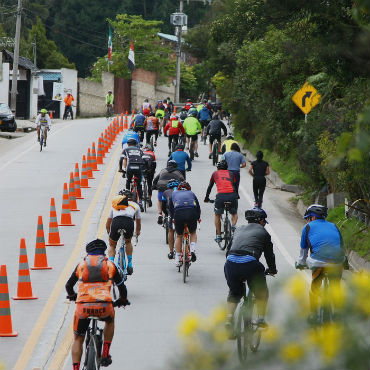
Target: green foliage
pixel 188 83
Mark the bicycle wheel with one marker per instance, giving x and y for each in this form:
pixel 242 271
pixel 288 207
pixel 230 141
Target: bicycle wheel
pixel 145 195
pixel 254 331
pixel 41 141
pixel 227 233
pixel 242 334
pixel 185 258
pixel 91 363
pixel 191 150
pixel 152 142
pixel 134 194
pixel 215 153
pixel 166 228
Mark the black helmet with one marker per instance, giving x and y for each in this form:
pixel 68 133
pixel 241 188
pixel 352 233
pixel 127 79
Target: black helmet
pixel 96 245
pixel 228 137
pixel 172 164
pixel 215 116
pixel 222 165
pixel 131 142
pixel 255 215
pixel 316 210
pixel 184 185
pixel 126 193
pixel 180 147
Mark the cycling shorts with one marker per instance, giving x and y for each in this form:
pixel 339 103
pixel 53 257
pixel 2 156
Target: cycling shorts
pixel 192 137
pixel 186 216
pixel 121 222
pixel 204 123
pixel 220 200
pixel 81 321
pixel 237 274
pixel 213 137
pixel 160 195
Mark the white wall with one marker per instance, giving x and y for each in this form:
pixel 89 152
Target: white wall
pixel 33 96
pixel 4 84
pixel 70 84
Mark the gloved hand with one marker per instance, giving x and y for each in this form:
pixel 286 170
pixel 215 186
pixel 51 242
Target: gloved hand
pixel 270 272
pixel 121 302
pixel 72 297
pixel 206 200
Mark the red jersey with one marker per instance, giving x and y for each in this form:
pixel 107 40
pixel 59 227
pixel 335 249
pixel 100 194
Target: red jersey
pixel 224 180
pixel 174 127
pixel 188 105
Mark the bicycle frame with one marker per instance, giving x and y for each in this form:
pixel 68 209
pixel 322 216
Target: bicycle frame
pixel 185 254
pixel 215 146
pixel 121 261
pixel 42 136
pixel 93 345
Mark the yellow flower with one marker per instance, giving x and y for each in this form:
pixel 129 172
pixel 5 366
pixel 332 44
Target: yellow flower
pixel 331 341
pixel 271 334
pixel 361 281
pixel 296 287
pixel 336 295
pixel 361 284
pixel 292 352
pixel 189 324
pixel 218 315
pixel 220 334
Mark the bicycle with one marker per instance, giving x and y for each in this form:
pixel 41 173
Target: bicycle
pixel 215 147
pixel 191 149
pixel 226 233
pixel 42 136
pixel 121 260
pixel 145 193
pixel 185 254
pixel 68 113
pixel 134 189
pixel 248 333
pixel 165 225
pixel 174 143
pixel 110 111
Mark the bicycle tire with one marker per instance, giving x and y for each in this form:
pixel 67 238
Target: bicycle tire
pixel 227 232
pixel 242 335
pixel 152 143
pixel 166 228
pixel 91 363
pixel 145 195
pixel 185 262
pixel 191 150
pixel 254 332
pixel 41 141
pixel 134 194
pixel 215 153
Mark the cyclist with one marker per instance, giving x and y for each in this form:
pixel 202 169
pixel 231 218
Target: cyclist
pixel 146 108
pixel 149 169
pixel 109 101
pixel 214 131
pixel 96 274
pixel 188 104
pixel 170 105
pixel 204 117
pixel 43 119
pixel 68 105
pixel 121 216
pixel 160 183
pixel 130 134
pixel 160 111
pixel 138 125
pixel 192 127
pixel 151 126
pixel 171 186
pixel 235 161
pixel 226 192
pixel 167 112
pixel 174 128
pixel 325 243
pixel 180 157
pixel 259 169
pixel 243 265
pixel 184 210
pixel 132 160
pixel 226 145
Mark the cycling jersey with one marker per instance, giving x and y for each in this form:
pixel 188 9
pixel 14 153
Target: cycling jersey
pixel 146 108
pixel 109 99
pixel 204 114
pixel 134 157
pixel 188 105
pixel 161 180
pixel 215 127
pixel 68 100
pixel 226 146
pixel 132 211
pixel 224 180
pixel 182 200
pixel 199 107
pixel 181 157
pixel 160 113
pixel 151 123
pixel 149 160
pixel 43 120
pixel 139 121
pixel 192 126
pixel 174 127
pixel 130 135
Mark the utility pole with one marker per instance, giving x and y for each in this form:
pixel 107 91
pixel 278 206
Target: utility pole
pixel 34 44
pixel 13 101
pixel 178 64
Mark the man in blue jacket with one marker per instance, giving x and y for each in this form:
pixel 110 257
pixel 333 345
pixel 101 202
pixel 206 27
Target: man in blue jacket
pixel 180 157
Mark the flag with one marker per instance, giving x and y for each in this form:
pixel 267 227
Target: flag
pixel 110 45
pixel 131 58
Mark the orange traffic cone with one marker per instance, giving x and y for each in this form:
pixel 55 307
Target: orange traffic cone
pixel 71 194
pixel 93 158
pixel 65 218
pixel 121 123
pixel 77 183
pixel 89 165
pixel 6 328
pixel 24 290
pixel 125 126
pixel 103 144
pixel 41 261
pixel 174 109
pixel 51 114
pixel 54 238
pixel 84 178
pixel 106 142
pixel 99 158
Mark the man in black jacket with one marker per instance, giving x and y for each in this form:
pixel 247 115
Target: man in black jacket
pixel 242 264
pixel 214 131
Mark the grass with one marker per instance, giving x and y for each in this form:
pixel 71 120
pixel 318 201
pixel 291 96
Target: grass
pixel 355 234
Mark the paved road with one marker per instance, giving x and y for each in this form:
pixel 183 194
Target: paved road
pixel 146 331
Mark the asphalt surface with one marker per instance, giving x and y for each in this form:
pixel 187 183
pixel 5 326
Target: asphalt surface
pixel 146 332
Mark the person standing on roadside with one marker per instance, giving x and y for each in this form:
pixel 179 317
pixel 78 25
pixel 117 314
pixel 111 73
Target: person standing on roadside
pixel 109 101
pixel 68 105
pixel 235 161
pixel 259 169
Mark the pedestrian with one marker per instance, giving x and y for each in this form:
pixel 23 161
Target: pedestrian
pixel 235 161
pixel 259 169
pixel 68 105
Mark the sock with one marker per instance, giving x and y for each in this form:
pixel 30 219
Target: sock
pixel 76 366
pixel 177 257
pixel 106 347
pixel 192 247
pixel 111 258
pixel 129 261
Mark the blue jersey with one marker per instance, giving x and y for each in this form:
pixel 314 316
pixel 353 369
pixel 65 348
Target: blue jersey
pixel 130 135
pixel 324 240
pixel 181 157
pixel 139 120
pixel 204 114
pixel 183 199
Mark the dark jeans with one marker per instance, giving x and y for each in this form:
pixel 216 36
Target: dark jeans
pixel 67 109
pixel 130 173
pixel 259 184
pixel 149 179
pixel 237 179
pixel 149 135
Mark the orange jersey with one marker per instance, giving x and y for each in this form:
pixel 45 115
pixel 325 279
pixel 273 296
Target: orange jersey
pixel 151 123
pixel 68 100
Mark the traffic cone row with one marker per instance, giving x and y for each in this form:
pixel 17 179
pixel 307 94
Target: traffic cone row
pixel 70 196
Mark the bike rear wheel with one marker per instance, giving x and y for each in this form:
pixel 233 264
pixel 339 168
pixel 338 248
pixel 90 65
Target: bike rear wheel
pixel 185 258
pixel 91 355
pixel 215 153
pixel 166 227
pixel 152 142
pixel 41 141
pixel 191 150
pixel 227 233
pixel 145 195
pixel 242 335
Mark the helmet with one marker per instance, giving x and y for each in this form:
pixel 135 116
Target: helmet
pixel 131 142
pixel 222 165
pixel 316 210
pixel 159 101
pixel 173 183
pixel 204 100
pixel 184 186
pixel 180 147
pixel 172 164
pixel 95 245
pixel 127 193
pixel 146 100
pixel 43 110
pixel 255 215
pixel 120 202
pixel 193 112
pixel 147 147
pixel 228 137
pixel 188 100
pixel 109 91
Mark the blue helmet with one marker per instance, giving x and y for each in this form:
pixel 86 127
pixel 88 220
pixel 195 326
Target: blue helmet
pixel 316 210
pixel 173 183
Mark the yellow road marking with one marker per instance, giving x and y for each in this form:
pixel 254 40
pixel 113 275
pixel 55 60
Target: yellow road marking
pixel 33 338
pixel 65 346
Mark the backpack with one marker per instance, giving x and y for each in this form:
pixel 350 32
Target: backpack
pixel 95 269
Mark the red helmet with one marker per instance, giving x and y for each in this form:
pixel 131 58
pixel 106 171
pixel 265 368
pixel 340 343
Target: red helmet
pixel 184 185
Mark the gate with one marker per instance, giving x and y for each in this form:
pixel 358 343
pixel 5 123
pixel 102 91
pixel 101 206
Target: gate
pixel 122 95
